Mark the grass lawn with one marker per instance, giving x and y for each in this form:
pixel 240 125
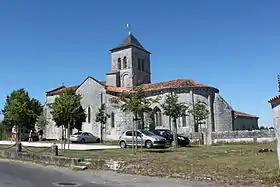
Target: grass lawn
pixel 226 164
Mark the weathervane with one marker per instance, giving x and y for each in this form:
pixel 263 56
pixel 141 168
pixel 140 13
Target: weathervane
pixel 127 26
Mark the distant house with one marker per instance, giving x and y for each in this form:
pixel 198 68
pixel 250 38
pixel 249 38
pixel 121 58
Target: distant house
pixel 244 121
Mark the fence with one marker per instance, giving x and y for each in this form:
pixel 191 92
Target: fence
pixel 18 147
pixel 29 154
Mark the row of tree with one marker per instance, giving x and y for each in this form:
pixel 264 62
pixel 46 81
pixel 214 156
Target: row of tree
pixel 22 111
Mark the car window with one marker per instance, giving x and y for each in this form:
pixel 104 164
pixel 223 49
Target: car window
pixel 77 133
pixel 162 133
pixel 139 134
pixel 147 133
pixel 156 132
pixel 128 133
pixel 85 134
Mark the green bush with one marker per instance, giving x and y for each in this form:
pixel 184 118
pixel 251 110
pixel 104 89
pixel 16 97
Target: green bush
pixel 5 134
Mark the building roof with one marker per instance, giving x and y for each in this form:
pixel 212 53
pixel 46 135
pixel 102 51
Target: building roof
pixel 274 98
pixel 243 114
pixel 74 88
pixel 61 89
pixel 129 41
pixel 178 83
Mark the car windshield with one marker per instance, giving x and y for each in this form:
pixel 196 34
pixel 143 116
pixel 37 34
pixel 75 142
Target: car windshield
pixel 147 133
pixel 78 133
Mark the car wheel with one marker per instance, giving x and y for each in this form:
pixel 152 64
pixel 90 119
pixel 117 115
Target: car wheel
pixel 83 140
pixel 97 140
pixel 122 144
pixel 148 144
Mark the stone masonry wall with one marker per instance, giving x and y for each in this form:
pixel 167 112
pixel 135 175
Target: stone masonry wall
pixel 222 114
pixel 239 136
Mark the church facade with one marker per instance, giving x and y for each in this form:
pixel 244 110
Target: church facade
pixel 130 66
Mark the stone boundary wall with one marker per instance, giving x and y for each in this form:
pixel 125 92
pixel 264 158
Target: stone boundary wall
pixel 239 136
pixel 44 159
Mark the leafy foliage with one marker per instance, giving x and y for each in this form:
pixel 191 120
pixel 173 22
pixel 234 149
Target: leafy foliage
pixel 102 116
pixel 137 102
pixel 199 112
pixel 172 107
pixel 67 109
pixel 42 121
pixel 175 109
pixel 21 110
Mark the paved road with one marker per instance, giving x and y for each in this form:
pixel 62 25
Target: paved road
pixel 16 174
pixel 24 174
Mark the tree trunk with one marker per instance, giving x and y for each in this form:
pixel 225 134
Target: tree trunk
pixel 17 133
pixel 68 135
pixel 62 137
pixel 174 131
pixel 101 132
pixel 133 131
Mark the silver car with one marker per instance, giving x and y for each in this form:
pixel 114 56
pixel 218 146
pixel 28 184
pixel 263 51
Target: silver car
pixel 84 137
pixel 149 139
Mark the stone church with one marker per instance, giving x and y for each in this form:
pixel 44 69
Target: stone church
pixel 131 66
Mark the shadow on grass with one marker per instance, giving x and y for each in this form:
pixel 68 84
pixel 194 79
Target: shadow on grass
pixel 158 150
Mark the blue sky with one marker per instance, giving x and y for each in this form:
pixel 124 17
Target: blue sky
pixel 231 45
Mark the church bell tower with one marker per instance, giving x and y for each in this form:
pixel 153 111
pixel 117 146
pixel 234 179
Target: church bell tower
pixel 130 64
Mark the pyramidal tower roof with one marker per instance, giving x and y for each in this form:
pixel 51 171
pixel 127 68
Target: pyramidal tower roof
pixel 129 41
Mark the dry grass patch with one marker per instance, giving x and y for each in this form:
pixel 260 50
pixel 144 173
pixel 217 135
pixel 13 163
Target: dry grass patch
pixel 225 164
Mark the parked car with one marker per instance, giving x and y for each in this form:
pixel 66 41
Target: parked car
pixel 149 139
pixel 166 133
pixel 84 137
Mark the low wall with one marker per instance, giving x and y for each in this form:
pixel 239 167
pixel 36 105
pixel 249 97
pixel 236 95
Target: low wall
pixel 239 136
pixel 45 159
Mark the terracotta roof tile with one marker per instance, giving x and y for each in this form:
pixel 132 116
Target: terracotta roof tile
pixel 55 89
pixel 274 98
pixel 179 83
pixel 117 89
pixel 243 114
pixel 61 89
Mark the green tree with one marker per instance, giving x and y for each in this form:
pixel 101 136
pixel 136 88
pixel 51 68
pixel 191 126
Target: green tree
pixel 67 111
pixel 200 114
pixel 101 117
pixel 174 109
pixel 42 121
pixel 136 103
pixel 5 134
pixel 21 111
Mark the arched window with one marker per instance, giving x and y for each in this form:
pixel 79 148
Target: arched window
pixel 124 62
pixel 89 114
pixel 112 119
pixel 119 63
pixel 157 117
